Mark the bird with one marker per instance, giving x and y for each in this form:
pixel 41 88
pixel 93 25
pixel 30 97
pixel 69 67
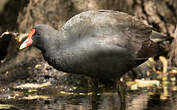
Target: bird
pixel 103 44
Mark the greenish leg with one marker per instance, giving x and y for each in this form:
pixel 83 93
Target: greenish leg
pixel 122 94
pixel 94 84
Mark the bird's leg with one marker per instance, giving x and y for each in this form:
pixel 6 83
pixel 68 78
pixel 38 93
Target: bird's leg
pixel 122 94
pixel 94 84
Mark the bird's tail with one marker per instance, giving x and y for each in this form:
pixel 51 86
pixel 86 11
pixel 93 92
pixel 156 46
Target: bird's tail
pixel 158 37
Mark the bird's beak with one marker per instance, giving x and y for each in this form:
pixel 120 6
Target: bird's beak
pixel 28 41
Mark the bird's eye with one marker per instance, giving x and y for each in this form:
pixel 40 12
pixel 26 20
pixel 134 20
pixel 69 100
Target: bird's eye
pixel 37 34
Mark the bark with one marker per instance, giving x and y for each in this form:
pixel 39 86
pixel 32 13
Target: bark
pixel 57 12
pixel 22 15
pixel 9 15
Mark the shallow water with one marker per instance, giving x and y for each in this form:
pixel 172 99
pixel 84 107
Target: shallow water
pixel 142 99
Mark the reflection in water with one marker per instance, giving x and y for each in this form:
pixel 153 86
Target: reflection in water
pixel 106 101
pixel 111 102
pixel 136 100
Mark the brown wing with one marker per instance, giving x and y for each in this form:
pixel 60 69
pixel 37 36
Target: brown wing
pixel 112 28
pixel 135 32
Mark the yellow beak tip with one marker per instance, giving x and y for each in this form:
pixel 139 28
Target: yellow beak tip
pixel 22 46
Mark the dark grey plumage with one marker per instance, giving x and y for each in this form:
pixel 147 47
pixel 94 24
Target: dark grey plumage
pixel 103 44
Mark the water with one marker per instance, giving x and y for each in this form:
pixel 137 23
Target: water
pixel 52 99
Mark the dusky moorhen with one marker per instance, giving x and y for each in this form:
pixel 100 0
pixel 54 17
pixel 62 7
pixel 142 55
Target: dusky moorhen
pixel 102 44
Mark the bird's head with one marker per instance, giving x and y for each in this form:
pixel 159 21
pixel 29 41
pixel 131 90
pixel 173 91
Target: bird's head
pixel 39 36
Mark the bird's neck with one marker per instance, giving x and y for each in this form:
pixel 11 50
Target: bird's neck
pixel 54 44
